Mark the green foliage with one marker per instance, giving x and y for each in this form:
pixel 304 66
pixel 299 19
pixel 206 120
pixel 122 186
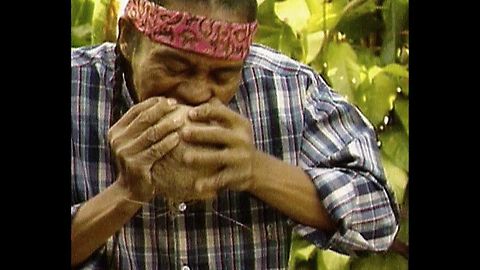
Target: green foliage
pixel 388 261
pixel 395 14
pixel 93 21
pixel 361 49
pixel 303 255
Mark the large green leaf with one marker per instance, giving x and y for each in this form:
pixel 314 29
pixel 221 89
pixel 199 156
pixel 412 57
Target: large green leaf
pixel 397 70
pixel 268 35
pixel 266 14
pixel 395 14
pixel 404 85
pixel 81 35
pixel 330 260
pixel 395 146
pixel 81 17
pixel 359 27
pixel 325 16
pixel 93 21
pixel 301 251
pixel 359 19
pixel 376 261
pixel 397 178
pixel 357 8
pixel 367 57
pixel 293 12
pixel 314 6
pixel 290 44
pixel 343 70
pixel 375 96
pixel 401 111
pixel 277 34
pixel 281 38
pixel 313 43
pixel 81 11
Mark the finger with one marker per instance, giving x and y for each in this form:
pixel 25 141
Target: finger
pixel 152 115
pixel 158 131
pixel 214 183
pixel 213 157
pixel 117 130
pixel 210 112
pixel 118 134
pixel 214 135
pixel 215 101
pixel 160 149
pixel 231 178
pixel 136 109
pixel 209 185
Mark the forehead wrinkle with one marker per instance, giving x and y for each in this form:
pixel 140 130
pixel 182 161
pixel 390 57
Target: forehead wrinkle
pixel 201 61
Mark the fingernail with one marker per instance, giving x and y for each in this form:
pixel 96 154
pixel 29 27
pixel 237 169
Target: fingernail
pixel 192 113
pixel 186 132
pixel 187 158
pixel 175 137
pixel 171 101
pixel 177 121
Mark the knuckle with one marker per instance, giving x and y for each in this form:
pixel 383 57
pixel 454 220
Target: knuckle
pixel 111 139
pixel 205 110
pixel 154 151
pixel 188 157
pixel 144 118
pixel 136 109
pixel 151 135
pixel 157 151
pixel 120 154
pixel 163 106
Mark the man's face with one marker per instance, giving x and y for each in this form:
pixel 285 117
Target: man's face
pixel 159 70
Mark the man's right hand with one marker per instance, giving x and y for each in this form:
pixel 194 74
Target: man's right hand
pixel 139 139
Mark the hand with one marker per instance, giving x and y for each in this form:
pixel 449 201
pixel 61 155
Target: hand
pixel 139 139
pixel 231 150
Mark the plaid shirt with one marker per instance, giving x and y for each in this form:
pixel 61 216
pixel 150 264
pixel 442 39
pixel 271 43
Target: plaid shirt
pixel 295 117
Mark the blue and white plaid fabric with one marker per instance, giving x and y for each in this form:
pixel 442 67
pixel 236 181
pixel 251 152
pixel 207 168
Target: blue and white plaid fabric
pixel 296 118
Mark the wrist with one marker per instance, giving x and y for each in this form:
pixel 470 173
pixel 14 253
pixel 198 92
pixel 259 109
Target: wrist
pixel 140 193
pixel 258 167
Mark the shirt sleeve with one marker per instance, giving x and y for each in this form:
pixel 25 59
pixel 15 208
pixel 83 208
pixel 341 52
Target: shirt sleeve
pixel 340 153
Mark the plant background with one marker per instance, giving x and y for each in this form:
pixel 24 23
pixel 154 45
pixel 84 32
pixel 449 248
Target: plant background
pixel 361 49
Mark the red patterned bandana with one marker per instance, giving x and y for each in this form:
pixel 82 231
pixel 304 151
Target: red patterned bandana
pixel 199 34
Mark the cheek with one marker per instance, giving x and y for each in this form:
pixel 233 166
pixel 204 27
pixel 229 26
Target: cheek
pixel 150 83
pixel 227 92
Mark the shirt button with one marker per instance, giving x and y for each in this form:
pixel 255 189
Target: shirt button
pixel 185 267
pixel 182 207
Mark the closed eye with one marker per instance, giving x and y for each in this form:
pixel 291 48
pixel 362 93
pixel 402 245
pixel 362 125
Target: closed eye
pixel 173 64
pixel 225 74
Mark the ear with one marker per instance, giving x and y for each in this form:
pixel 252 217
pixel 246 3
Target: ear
pixel 126 38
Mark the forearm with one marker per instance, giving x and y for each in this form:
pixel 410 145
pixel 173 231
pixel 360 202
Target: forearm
pixel 289 189
pixel 98 219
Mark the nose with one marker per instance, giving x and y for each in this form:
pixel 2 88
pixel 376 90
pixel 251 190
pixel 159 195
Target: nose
pixel 196 91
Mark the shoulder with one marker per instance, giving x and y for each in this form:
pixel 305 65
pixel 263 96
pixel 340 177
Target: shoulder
pixel 103 55
pixel 271 60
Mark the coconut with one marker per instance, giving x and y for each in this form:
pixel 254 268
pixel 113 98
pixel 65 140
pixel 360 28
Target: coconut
pixel 174 179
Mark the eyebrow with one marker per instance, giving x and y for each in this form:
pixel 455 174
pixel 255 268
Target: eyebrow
pixel 173 56
pixel 235 68
pixel 169 55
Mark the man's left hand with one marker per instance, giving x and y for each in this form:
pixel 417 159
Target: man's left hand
pixel 232 148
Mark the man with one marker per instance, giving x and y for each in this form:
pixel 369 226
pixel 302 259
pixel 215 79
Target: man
pixel 289 153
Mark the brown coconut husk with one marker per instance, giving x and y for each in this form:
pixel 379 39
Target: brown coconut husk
pixel 175 180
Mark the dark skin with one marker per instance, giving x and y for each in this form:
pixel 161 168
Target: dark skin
pixel 160 77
